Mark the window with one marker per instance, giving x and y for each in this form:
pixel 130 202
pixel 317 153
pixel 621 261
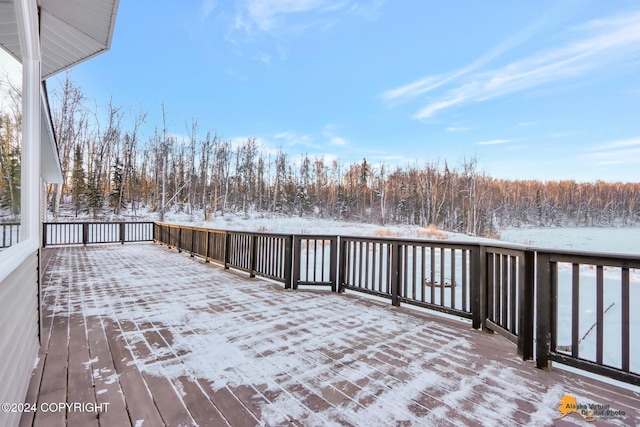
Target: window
pixel 10 149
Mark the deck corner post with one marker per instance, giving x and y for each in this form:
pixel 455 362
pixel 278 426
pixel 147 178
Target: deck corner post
pixel 544 312
pixel 526 305
pixel 44 234
pixel 295 260
pixel 85 233
pixel 288 262
pixel 333 263
pixel 395 273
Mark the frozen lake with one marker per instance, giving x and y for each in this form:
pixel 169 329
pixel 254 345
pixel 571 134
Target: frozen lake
pixel 598 239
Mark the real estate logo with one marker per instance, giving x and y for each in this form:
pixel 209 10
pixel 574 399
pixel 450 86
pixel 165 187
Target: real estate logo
pixel 589 412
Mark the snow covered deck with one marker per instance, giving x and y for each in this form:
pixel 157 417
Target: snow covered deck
pixel 138 334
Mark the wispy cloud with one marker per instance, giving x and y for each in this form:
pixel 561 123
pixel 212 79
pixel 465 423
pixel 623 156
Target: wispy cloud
pixel 594 45
pixel 292 138
pixel 271 15
pixel 332 139
pixel 206 8
pixel 265 14
pixel 458 129
pixel 495 142
pixel 624 143
pixel 625 151
pixel 429 83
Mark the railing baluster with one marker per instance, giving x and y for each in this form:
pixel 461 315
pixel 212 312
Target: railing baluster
pixel 442 278
pixel 453 278
pixel 513 294
pixel 575 310
pixel 465 306
pixel 504 289
pixel 625 330
pixel 599 313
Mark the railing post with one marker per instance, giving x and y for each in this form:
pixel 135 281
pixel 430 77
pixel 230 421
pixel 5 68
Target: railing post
pixel 544 308
pixel 179 238
pixel 206 247
pixel 295 260
pixel 253 249
pixel 227 249
pixel 395 273
pixel 288 261
pixel 122 233
pixel 479 287
pixel 85 233
pixel 193 239
pixel 333 263
pixel 526 305
pixel 342 264
pixel 44 234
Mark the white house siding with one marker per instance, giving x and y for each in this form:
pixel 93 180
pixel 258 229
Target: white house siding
pixel 19 341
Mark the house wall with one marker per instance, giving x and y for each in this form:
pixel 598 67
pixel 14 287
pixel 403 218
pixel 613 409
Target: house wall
pixel 19 341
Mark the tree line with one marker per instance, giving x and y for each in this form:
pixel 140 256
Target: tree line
pixel 108 169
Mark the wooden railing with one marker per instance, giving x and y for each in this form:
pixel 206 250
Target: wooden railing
pixel 9 234
pixel 259 254
pixel 548 302
pixel 592 293
pixel 82 233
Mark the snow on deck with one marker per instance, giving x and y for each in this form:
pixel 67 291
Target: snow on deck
pixel 166 339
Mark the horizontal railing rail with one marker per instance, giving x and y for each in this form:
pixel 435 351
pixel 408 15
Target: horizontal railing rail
pixel 9 234
pixel 83 233
pixel 557 306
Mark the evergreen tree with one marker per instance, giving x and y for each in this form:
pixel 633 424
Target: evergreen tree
pixel 94 195
pixel 116 198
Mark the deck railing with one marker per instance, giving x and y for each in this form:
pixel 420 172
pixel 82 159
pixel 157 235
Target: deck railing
pixel 592 293
pixel 259 254
pixel 565 306
pixel 83 233
pixel 9 234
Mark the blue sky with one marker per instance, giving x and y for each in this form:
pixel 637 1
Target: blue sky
pixel 535 89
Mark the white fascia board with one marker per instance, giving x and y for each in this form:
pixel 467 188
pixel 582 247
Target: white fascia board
pixel 50 168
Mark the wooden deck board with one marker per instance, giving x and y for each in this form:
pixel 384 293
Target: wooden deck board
pixel 80 378
pixel 122 326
